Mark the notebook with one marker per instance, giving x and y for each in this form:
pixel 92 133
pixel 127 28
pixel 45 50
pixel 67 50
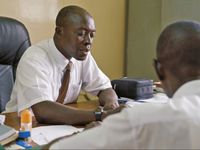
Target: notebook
pixel 45 134
pixel 7 134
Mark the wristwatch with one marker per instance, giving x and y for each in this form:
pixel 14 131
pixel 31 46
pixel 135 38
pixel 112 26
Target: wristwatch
pixel 98 113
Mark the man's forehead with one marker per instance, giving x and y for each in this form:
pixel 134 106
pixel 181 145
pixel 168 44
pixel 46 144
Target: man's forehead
pixel 81 21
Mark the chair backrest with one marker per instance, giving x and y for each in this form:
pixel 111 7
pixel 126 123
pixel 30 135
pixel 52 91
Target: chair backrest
pixel 14 40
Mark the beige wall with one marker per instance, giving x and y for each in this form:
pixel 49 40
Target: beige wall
pixel 146 19
pixel 108 49
pixel 173 10
pixel 144 23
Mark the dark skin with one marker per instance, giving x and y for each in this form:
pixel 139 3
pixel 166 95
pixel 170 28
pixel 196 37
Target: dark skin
pixel 178 55
pixel 73 37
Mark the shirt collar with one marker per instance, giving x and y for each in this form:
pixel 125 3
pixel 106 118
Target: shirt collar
pixel 187 89
pixel 60 59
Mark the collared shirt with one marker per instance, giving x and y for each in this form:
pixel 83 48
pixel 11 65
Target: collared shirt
pixel 175 124
pixel 39 76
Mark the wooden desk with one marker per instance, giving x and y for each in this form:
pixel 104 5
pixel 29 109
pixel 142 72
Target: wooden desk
pixel 14 121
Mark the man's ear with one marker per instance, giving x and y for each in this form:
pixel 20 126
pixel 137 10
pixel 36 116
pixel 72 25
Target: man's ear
pixel 59 30
pixel 159 69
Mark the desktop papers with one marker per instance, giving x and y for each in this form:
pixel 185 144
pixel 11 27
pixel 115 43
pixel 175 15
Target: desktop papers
pixel 7 134
pixel 158 98
pixel 45 134
pixel 2 119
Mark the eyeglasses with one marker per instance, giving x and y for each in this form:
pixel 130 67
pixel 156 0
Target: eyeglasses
pixel 156 63
pixel 157 66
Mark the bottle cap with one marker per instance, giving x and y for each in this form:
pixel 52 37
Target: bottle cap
pixel 26 116
pixel 24 134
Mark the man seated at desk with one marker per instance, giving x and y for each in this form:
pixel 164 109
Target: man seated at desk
pixel 173 125
pixel 52 73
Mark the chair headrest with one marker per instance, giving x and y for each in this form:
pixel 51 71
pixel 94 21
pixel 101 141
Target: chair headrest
pixel 14 40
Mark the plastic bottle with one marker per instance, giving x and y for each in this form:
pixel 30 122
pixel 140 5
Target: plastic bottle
pixel 26 120
pixel 24 137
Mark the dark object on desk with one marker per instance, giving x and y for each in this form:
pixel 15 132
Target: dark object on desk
pixel 133 88
pixel 14 40
pixel 123 100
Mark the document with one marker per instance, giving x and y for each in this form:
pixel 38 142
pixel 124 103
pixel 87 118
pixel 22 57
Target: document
pixel 45 134
pixel 157 98
pixel 2 119
pixel 7 134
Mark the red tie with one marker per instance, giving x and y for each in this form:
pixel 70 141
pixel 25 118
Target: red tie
pixel 65 84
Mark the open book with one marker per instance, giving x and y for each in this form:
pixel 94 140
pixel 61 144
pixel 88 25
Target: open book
pixel 7 134
pixel 45 134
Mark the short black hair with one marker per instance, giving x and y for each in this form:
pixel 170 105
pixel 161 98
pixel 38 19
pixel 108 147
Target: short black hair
pixel 178 46
pixel 67 12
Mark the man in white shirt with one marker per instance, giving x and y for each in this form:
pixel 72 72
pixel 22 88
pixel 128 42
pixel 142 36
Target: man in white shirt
pixel 175 124
pixel 42 68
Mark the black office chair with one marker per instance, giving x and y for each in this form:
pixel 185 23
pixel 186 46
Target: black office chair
pixel 14 40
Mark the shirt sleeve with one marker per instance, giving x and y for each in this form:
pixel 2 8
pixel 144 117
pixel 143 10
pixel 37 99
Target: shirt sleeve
pixel 32 85
pixel 115 132
pixel 94 79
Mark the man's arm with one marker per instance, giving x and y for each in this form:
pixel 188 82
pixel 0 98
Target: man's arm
pixel 103 137
pixel 55 113
pixel 108 98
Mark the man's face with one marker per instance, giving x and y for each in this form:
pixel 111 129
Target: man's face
pixel 77 37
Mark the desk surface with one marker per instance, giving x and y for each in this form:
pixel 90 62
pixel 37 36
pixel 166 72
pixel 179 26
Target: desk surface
pixel 14 121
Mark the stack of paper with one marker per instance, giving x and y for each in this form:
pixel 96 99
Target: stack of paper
pixel 157 98
pixel 7 134
pixel 45 134
pixel 2 119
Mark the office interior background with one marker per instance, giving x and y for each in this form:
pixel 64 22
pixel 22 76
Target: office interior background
pixel 127 30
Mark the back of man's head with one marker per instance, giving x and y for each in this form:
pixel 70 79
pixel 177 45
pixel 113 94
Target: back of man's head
pixel 178 52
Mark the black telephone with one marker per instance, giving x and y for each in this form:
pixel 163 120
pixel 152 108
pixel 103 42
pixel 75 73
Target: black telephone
pixel 133 88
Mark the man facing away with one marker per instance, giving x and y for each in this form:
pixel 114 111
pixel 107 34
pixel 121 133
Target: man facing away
pixel 42 68
pixel 175 124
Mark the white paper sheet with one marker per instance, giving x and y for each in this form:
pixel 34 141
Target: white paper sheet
pixel 2 119
pixel 45 134
pixel 157 98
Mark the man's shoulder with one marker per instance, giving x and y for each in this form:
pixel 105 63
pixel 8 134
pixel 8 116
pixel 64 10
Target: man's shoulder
pixel 39 49
pixel 145 113
pixel 36 54
pixel 42 45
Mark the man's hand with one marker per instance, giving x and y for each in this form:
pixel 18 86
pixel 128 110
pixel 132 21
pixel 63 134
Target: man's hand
pixel 104 115
pixel 108 99
pixel 111 105
pixel 113 111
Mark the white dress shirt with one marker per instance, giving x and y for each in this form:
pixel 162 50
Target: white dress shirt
pixel 175 124
pixel 40 72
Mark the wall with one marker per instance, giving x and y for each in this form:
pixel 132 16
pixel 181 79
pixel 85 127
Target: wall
pixel 144 22
pixel 173 10
pixel 146 19
pixel 37 15
pixel 108 49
